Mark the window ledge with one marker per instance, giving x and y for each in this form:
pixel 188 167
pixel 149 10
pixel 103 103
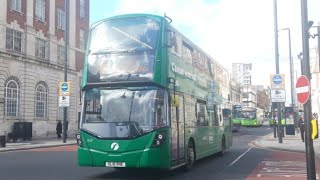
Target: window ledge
pixel 41 119
pixel 14 52
pixel 12 118
pixel 38 20
pixel 14 10
pixel 42 59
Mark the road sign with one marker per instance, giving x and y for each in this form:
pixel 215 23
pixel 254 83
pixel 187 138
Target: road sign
pixel 64 88
pixel 278 95
pixel 277 81
pixel 303 89
pixel 64 101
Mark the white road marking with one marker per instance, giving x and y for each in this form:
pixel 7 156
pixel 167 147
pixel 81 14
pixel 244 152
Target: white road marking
pixel 233 162
pixel 303 89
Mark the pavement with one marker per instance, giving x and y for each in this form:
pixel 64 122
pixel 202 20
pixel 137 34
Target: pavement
pixel 36 143
pixel 291 143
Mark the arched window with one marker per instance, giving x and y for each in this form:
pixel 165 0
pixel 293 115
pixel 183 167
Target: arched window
pixel 12 98
pixel 41 100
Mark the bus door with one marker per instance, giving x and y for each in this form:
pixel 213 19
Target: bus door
pixel 177 132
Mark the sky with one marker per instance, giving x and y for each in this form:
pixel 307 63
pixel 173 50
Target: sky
pixel 230 31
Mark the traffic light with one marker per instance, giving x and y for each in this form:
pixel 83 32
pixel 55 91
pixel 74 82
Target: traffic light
pixel 314 132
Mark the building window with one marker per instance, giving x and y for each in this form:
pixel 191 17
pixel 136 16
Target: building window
pixel 41 10
pixel 82 39
pixel 12 97
pixel 16 5
pixel 13 40
pixel 61 19
pixel 60 54
pixel 41 48
pixel 41 101
pixel 82 9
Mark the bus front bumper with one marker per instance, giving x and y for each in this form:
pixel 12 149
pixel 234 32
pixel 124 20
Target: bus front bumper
pixel 146 158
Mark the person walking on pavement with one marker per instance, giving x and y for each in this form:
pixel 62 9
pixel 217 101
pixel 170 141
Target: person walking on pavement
pixel 59 129
pixel 301 127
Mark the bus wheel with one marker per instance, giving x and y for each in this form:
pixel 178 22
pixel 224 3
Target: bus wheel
pixel 223 147
pixel 190 156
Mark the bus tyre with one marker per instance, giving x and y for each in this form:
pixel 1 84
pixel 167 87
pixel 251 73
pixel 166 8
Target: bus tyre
pixel 223 147
pixel 190 156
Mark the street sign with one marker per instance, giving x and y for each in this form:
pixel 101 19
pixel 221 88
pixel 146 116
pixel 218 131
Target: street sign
pixel 64 88
pixel 278 95
pixel 303 89
pixel 64 101
pixel 64 94
pixel 277 81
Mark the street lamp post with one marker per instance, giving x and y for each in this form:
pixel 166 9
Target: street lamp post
pixel 66 40
pixel 317 35
pixel 277 66
pixel 305 67
pixel 291 75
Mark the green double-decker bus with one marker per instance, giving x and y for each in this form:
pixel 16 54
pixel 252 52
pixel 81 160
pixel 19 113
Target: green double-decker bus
pixel 251 116
pixel 151 98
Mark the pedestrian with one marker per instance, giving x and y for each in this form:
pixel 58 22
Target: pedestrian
pixel 301 127
pixel 59 129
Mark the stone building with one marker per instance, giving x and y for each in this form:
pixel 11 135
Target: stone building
pixel 235 92
pixel 263 100
pixel 32 60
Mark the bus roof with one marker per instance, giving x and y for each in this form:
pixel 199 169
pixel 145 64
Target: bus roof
pixel 157 17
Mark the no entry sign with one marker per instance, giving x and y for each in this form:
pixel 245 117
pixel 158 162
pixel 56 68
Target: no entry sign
pixel 303 89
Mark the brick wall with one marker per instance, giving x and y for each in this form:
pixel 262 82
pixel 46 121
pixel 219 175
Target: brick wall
pixel 59 32
pixel 20 17
pixel 39 25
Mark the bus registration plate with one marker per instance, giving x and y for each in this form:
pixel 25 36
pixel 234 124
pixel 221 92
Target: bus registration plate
pixel 115 164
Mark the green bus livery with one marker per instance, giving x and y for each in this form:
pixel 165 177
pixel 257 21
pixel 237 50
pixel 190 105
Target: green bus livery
pixel 151 98
pixel 251 116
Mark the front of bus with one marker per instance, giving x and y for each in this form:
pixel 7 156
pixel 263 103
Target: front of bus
pixel 236 117
pixel 249 118
pixel 124 121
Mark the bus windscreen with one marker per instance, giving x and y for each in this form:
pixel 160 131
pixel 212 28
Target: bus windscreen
pixel 123 49
pixel 123 113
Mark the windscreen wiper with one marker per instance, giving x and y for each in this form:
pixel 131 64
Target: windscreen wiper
pixel 133 93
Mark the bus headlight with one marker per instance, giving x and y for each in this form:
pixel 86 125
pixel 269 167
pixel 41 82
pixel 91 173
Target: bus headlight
pixel 79 141
pixel 158 140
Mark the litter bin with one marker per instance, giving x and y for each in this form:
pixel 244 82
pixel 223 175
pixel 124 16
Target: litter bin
pixel 290 129
pixel 2 141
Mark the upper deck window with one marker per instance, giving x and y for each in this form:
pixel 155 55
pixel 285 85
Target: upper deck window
pixel 123 49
